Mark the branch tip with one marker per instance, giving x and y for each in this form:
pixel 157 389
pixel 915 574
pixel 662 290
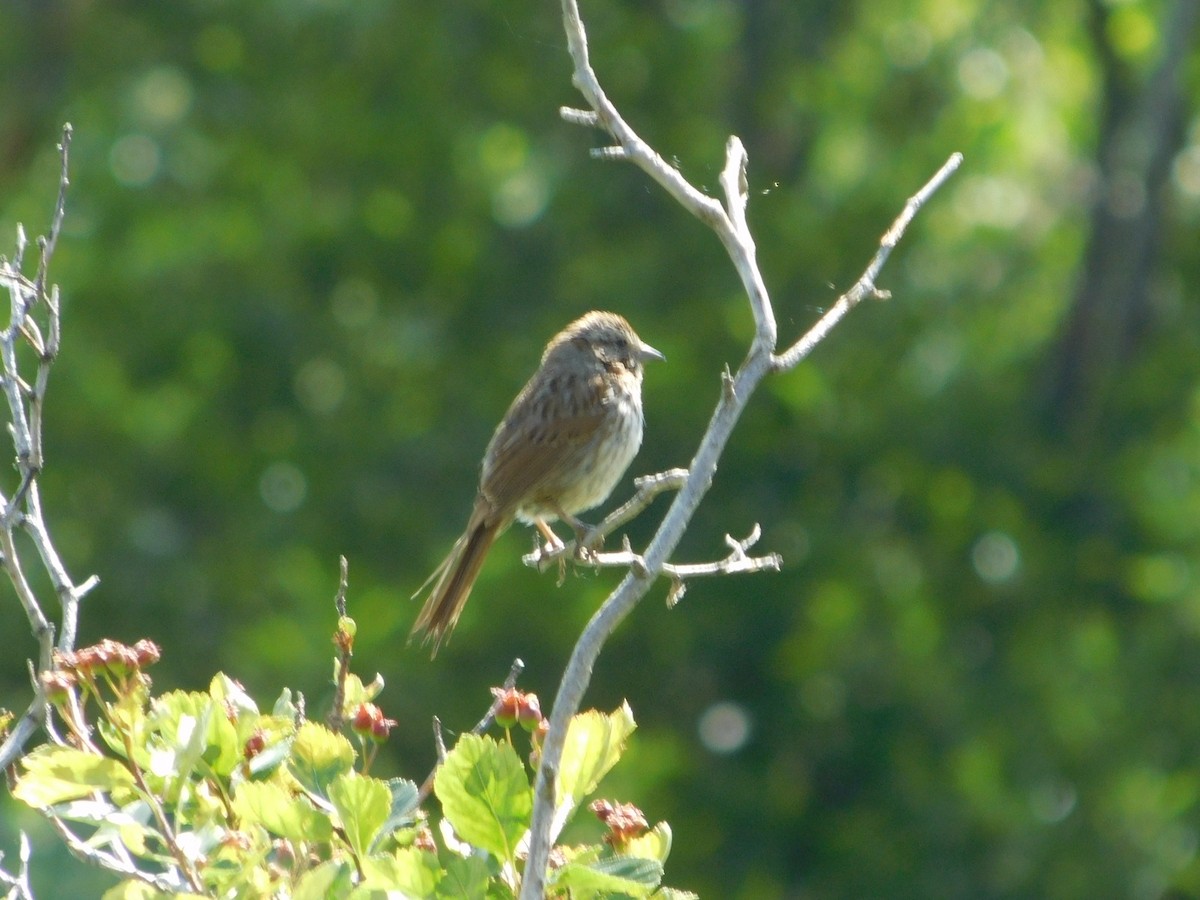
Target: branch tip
pixel 585 117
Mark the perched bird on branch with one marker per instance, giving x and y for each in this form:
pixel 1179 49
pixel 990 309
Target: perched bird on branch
pixel 562 446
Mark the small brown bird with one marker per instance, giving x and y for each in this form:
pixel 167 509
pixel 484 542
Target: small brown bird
pixel 560 449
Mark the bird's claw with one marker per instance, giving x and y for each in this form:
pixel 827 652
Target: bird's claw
pixel 588 541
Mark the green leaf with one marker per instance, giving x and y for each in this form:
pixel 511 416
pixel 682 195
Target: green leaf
pixel 413 872
pixel 405 798
pixel 56 774
pixel 133 890
pixel 280 812
pixel 669 893
pixel 318 757
pixel 354 692
pixel 330 879
pixel 139 890
pixel 654 844
pixel 616 875
pixel 127 826
pixel 90 810
pixel 594 743
pixel 269 759
pixel 224 690
pixel 193 727
pixel 135 836
pixel 485 794
pixel 362 804
pixel 363 892
pixel 285 707
pixel 242 713
pixel 127 716
pixel 465 879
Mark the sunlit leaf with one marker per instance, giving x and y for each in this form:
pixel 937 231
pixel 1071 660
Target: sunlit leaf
pixel 330 879
pixel 318 757
pixel 405 797
pixel 464 879
pixel 55 774
pixel 594 744
pixel 415 873
pixel 362 804
pixel 485 794
pixel 654 844
pixel 618 875
pixel 280 812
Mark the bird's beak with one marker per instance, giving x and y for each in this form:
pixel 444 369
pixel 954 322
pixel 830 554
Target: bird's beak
pixel 646 352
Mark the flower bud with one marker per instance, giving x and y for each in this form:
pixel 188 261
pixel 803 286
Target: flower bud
pixel 529 712
pixel 369 722
pixel 624 821
pixel 507 706
pixel 146 652
pixel 57 685
pixel 255 744
pixel 424 841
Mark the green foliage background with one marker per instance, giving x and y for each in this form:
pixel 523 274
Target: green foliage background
pixel 313 247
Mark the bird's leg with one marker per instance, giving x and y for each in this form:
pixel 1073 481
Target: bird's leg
pixel 553 541
pixel 587 539
pixel 553 544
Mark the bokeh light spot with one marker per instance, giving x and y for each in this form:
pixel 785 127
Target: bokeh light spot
pixel 321 385
pixel 163 96
pixel 135 160
pixel 283 487
pixel 724 727
pixel 982 73
pixel 996 557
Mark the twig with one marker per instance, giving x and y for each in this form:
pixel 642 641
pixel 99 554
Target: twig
pixel 345 645
pixel 865 286
pixel 736 563
pixel 481 726
pixel 18 884
pixel 118 862
pixel 646 487
pixel 26 402
pixel 728 221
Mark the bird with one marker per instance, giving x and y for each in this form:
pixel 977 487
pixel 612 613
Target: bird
pixel 560 449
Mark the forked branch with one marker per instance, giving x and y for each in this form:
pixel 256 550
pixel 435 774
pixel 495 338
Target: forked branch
pixel 34 320
pixel 728 221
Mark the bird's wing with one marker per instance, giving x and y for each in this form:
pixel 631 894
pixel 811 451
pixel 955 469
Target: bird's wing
pixel 539 437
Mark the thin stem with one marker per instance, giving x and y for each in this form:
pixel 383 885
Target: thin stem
pixel 168 834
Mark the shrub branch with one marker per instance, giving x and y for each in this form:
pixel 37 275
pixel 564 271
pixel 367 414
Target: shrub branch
pixel 34 319
pixel 728 220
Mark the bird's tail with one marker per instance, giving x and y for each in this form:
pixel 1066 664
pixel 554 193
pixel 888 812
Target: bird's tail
pixel 452 581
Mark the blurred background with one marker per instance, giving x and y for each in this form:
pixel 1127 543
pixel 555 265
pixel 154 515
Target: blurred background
pixel 314 247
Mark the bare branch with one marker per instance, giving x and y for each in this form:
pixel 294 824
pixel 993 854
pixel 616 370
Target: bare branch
pixel 18 884
pixel 34 318
pixel 50 241
pixel 736 563
pixel 647 488
pixel 865 286
pixel 730 225
pixel 604 115
pixel 118 861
